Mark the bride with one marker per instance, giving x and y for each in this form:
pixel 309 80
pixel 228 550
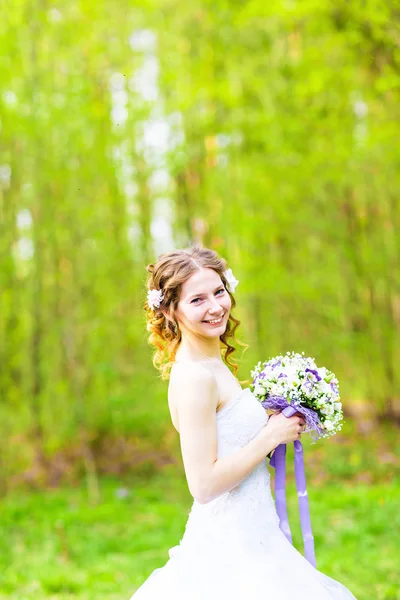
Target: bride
pixel 232 547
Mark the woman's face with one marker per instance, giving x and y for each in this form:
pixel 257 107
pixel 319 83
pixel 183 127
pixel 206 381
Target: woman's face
pixel 203 298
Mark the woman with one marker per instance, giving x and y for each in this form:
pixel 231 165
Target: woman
pixel 232 547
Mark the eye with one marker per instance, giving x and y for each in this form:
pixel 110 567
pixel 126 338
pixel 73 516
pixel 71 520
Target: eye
pixel 220 290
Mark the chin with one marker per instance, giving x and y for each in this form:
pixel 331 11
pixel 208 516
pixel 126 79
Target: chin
pixel 217 332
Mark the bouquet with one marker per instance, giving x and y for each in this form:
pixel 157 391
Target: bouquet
pixel 296 380
pixel 294 384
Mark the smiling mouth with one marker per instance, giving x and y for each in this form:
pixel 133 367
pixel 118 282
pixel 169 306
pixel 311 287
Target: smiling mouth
pixel 215 320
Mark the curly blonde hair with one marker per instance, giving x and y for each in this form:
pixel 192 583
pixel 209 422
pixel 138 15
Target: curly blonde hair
pixel 168 274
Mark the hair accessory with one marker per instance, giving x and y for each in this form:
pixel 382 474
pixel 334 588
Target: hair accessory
pixel 231 279
pixel 154 298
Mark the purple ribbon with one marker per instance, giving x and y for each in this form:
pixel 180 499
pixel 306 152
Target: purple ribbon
pixel 278 462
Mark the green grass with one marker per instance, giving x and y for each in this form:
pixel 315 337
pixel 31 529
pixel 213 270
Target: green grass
pixel 54 544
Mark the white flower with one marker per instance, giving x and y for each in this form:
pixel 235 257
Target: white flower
pixel 325 387
pixel 231 279
pixel 275 390
pixel 328 425
pixel 259 390
pixel 154 298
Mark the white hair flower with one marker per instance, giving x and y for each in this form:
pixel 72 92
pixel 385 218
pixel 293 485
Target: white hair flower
pixel 231 279
pixel 154 298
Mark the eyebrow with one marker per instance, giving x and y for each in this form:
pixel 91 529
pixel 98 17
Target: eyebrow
pixel 202 293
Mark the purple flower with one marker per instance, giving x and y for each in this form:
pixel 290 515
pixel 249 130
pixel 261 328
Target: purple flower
pixel 277 364
pixel 308 385
pixel 315 373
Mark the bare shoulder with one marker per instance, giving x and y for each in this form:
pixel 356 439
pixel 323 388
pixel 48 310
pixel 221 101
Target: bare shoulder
pixel 192 386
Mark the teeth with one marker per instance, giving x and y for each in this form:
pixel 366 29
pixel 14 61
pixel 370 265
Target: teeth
pixel 216 321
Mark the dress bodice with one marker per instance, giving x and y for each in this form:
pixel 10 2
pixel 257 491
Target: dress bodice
pixel 250 502
pixel 239 421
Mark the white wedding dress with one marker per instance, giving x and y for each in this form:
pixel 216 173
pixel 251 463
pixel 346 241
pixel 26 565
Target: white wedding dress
pixel 232 547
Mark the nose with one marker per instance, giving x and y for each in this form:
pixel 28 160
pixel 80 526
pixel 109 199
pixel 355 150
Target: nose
pixel 216 308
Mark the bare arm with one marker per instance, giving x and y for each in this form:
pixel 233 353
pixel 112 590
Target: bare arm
pixel 195 391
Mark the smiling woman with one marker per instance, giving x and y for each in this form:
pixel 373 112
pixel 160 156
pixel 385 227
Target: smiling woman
pixel 232 546
pixel 194 312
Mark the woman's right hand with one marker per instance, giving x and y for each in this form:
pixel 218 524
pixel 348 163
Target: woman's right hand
pixel 283 429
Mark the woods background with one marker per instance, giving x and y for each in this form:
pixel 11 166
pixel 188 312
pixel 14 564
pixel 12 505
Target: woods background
pixel 268 132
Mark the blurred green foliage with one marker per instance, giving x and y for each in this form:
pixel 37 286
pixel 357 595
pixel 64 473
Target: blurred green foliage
pixel 267 131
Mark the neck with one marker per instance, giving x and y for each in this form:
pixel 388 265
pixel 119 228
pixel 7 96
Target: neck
pixel 199 349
